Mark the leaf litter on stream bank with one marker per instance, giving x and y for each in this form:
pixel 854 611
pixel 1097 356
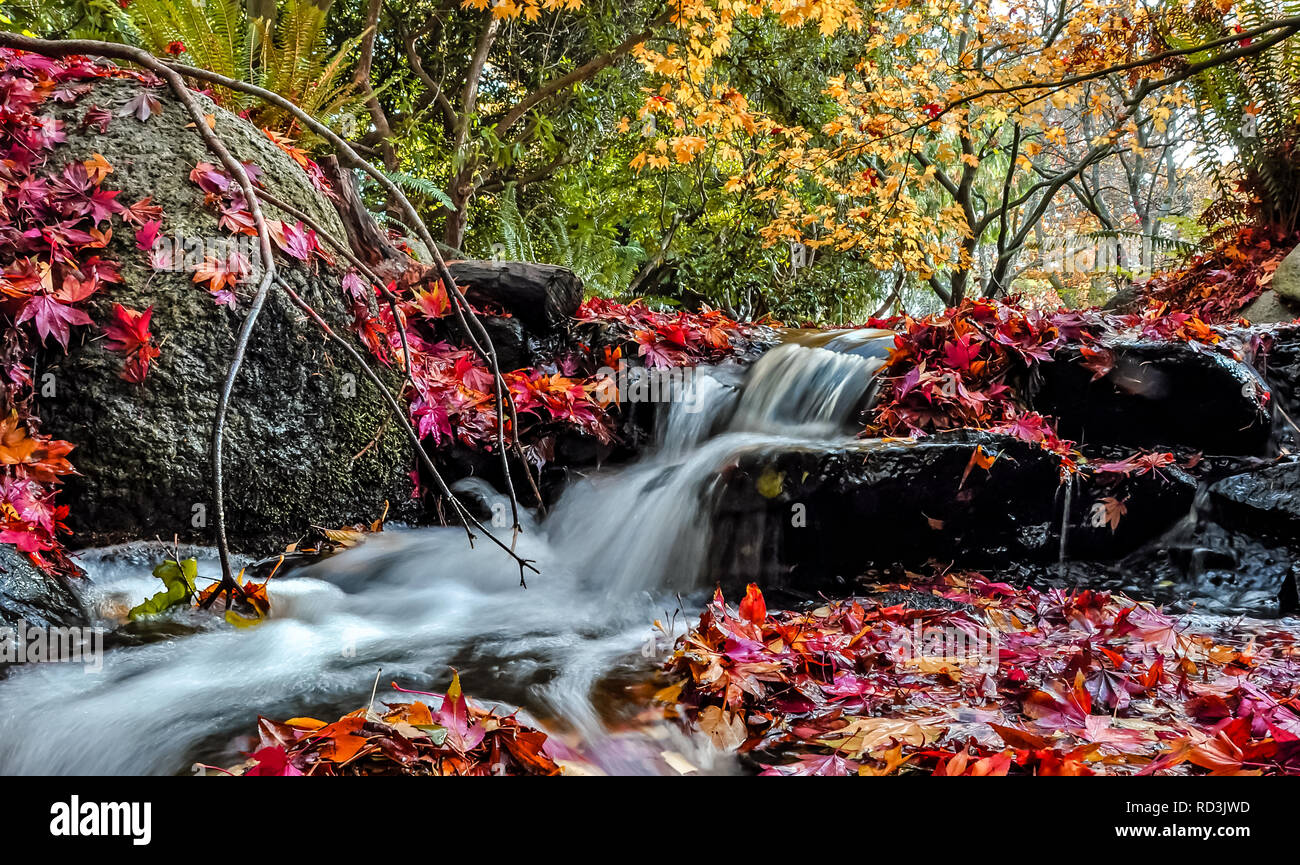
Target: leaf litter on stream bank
pixel 1013 681
pixel 403 739
pixel 969 677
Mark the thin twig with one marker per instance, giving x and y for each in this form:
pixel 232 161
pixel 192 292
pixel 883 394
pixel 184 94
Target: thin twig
pixel 464 313
pixel 182 92
pixel 392 300
pixel 467 518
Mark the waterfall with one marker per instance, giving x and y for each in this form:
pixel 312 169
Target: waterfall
pixel 801 392
pixel 647 528
pixel 613 555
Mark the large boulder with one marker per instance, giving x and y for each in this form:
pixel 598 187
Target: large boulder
pixel 1270 308
pixel 1286 279
pixel 308 439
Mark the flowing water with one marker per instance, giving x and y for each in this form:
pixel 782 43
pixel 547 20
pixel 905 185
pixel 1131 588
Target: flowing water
pixel 620 549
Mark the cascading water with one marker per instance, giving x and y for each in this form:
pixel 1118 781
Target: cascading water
pixel 613 555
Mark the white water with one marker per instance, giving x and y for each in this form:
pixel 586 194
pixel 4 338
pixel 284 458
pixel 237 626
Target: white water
pixel 613 555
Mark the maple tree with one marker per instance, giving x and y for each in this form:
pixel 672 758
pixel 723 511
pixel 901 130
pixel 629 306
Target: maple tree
pixel 955 130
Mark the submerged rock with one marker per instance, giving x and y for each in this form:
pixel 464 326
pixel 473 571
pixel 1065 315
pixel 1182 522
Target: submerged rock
pixel 307 441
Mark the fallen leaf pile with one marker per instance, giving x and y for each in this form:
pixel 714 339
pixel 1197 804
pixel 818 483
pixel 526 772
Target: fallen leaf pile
pixel 968 367
pixel 671 339
pixel 1216 285
pixel 403 739
pixel 1010 681
pixel 56 221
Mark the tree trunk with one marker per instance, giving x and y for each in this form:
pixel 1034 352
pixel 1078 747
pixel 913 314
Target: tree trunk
pixel 461 192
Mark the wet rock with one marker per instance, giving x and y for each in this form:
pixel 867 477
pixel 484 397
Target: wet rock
pixel 803 516
pixel 28 595
pixel 509 340
pixel 1158 395
pixel 302 420
pixel 543 296
pixel 1288 598
pixel 1265 500
pixel 1127 299
pixel 1281 367
pixel 1197 566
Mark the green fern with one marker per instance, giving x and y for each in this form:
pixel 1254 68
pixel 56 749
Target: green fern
pixel 420 186
pixel 605 266
pixel 1158 242
pixel 287 54
pixel 1267 86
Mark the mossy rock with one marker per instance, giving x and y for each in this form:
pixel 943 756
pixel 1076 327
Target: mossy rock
pixel 309 440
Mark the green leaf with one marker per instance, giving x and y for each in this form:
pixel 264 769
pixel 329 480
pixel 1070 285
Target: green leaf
pixel 437 732
pixel 421 186
pixel 178 577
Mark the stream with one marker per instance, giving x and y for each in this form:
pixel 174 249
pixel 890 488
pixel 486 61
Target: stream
pixel 621 549
pixel 575 651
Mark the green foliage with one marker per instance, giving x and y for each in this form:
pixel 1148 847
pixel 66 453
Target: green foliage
pixel 557 187
pixel 63 19
pixel 1249 112
pixel 409 183
pixel 178 577
pixel 605 266
pixel 288 54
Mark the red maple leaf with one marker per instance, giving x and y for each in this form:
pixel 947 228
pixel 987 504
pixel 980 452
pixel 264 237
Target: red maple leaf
pixel 98 118
pixel 294 239
pixel 454 716
pixel 141 212
pixel 222 274
pixel 147 235
pixel 960 352
pixel 129 334
pixel 52 317
pixel 752 607
pixel 143 106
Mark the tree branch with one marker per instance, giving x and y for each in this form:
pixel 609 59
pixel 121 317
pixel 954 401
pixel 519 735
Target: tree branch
pixel 581 73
